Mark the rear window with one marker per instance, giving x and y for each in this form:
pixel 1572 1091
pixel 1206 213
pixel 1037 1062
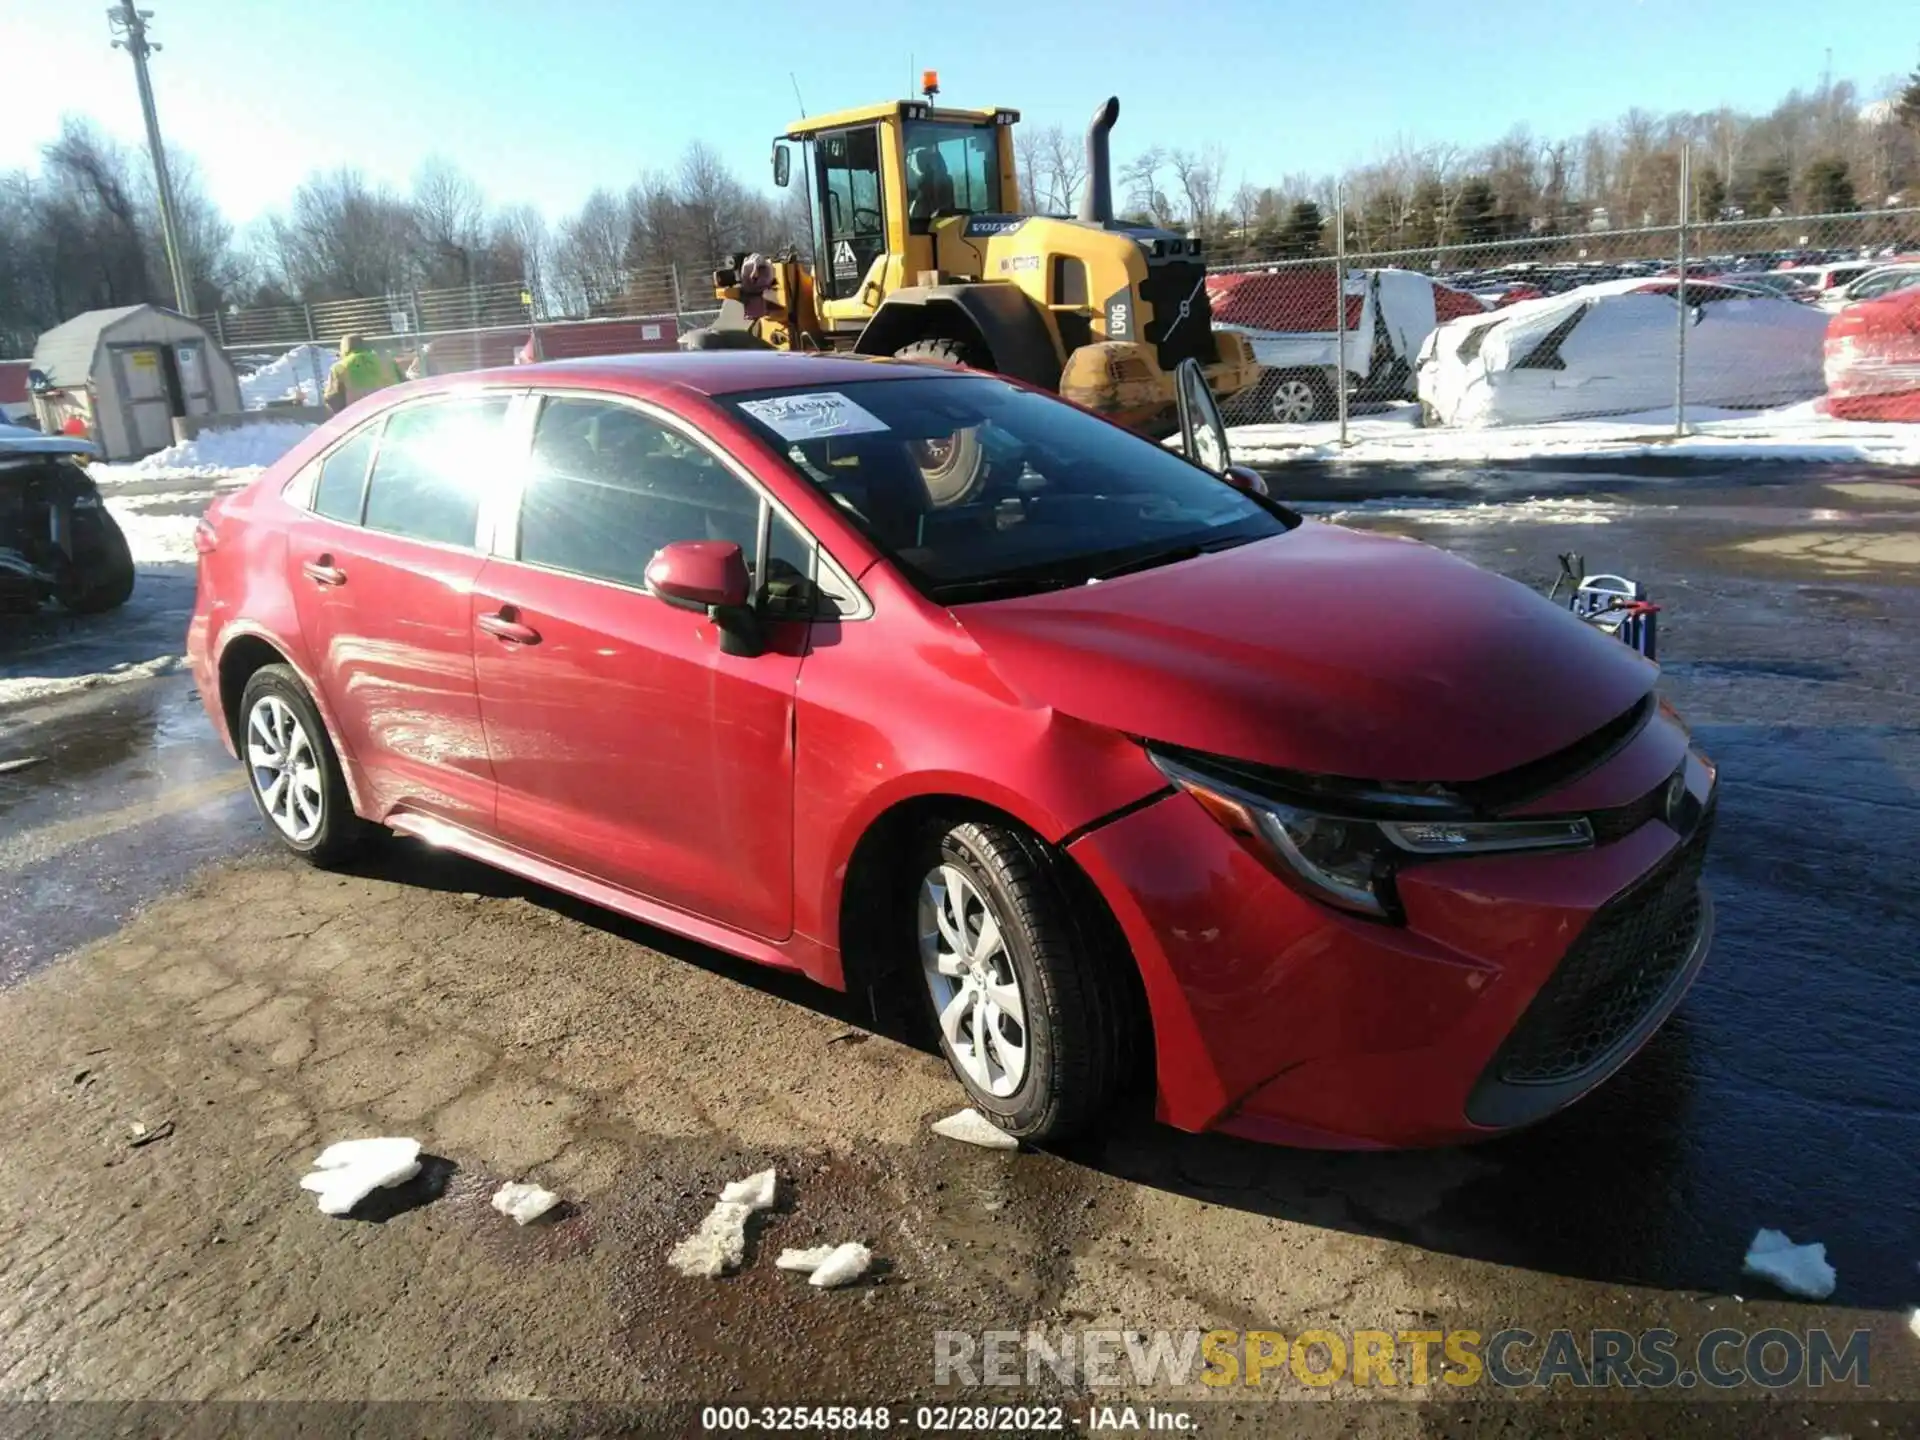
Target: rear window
pixel 343 478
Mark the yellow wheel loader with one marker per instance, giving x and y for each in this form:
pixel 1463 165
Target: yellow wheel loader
pixel 919 255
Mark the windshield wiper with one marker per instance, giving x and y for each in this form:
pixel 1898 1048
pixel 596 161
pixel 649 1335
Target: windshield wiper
pixel 990 587
pixel 1171 556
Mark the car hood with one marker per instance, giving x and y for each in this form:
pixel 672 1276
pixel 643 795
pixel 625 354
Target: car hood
pixel 1323 650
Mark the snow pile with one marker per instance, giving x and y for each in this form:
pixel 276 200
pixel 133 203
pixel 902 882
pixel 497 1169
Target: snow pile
pixel 1466 512
pixel 1797 1269
pixel 720 1244
pixel 21 689
pixel 828 1266
pixel 1795 432
pixel 348 1171
pixel 973 1128
pixel 215 454
pixel 523 1203
pixel 299 375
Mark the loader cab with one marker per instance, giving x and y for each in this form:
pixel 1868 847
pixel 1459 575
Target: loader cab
pixel 877 178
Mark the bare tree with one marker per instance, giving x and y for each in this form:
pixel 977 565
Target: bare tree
pixel 590 255
pixel 1198 175
pixel 1140 181
pixel 1030 161
pixel 450 226
pixel 1066 168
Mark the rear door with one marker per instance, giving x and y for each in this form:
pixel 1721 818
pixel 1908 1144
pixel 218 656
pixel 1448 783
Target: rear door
pixel 381 567
pixel 628 746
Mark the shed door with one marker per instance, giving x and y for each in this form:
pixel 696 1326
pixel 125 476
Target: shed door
pixel 142 380
pixel 196 385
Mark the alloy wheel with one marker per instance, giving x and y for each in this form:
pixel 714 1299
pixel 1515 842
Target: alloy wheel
pixel 970 975
pixel 1295 401
pixel 284 769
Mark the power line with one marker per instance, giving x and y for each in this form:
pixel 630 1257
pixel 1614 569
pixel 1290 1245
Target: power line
pixel 129 27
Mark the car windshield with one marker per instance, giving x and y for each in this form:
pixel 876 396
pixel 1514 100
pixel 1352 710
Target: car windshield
pixel 978 489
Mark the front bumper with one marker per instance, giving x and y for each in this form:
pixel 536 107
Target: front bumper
pixel 1279 1019
pixel 1123 381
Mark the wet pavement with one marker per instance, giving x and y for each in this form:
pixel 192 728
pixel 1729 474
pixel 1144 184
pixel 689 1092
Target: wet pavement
pixel 1785 1093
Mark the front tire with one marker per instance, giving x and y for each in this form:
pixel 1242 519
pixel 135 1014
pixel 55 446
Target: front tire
pixel 1036 1024
pixel 1298 397
pixel 293 772
pixel 955 468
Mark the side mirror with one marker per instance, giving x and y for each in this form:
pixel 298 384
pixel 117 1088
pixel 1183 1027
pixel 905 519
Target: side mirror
pixel 1203 434
pixel 699 575
pixel 1242 478
pixel 782 164
pixel 710 577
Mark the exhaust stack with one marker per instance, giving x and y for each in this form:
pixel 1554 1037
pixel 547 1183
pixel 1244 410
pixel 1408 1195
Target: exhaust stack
pixel 1096 201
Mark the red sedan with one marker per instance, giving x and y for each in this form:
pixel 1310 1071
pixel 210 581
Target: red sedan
pixel 883 672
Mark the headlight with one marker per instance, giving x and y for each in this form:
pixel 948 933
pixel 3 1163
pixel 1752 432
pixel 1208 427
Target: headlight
pixel 1348 859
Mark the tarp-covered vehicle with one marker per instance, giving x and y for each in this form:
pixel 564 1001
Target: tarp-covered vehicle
pixel 57 541
pixel 1611 349
pixel 1287 313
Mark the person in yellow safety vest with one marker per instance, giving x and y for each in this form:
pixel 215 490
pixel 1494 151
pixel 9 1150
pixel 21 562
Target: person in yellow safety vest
pixel 357 373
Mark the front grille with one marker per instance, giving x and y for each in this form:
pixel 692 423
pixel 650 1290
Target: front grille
pixel 1615 973
pixel 1169 285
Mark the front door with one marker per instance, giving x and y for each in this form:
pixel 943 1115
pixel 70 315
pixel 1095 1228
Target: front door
pixel 627 745
pixel 147 404
pixel 852 215
pixel 382 570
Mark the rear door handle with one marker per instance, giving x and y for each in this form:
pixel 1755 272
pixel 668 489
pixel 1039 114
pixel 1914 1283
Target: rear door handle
pixel 324 572
pixel 504 627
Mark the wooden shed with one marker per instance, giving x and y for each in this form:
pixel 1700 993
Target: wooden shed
pixel 129 373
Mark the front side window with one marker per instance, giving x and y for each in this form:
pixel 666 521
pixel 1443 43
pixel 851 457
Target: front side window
pixel 979 489
pixel 435 463
pixel 950 169
pixel 608 487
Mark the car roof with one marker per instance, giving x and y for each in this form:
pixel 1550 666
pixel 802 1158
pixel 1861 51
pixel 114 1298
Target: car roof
pixel 709 372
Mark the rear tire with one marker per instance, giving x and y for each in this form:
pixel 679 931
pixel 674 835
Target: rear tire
pixel 104 581
pixel 293 771
pixel 1039 1027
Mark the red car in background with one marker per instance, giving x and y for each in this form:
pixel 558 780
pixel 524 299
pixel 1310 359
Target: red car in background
pixel 1873 359
pixel 882 672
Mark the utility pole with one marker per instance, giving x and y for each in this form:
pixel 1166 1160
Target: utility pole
pixel 129 27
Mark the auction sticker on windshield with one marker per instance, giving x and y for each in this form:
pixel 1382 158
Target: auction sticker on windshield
pixel 814 415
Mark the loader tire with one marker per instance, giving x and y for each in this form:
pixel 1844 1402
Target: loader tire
pixel 955 467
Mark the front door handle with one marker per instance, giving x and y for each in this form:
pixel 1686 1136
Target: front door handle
pixel 324 572
pixel 503 626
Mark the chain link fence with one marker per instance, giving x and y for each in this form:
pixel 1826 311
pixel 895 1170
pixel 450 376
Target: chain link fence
pixel 1785 318
pixel 1666 325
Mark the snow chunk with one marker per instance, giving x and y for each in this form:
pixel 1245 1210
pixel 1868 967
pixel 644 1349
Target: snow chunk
pixel 1797 1269
pixel 720 1244
pixel 805 1261
pixel 974 1128
pixel 846 1264
pixel 348 1171
pixel 523 1202
pixel 756 1192
pixel 1913 1322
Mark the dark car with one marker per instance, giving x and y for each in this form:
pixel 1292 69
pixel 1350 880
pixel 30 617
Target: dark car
pixel 57 541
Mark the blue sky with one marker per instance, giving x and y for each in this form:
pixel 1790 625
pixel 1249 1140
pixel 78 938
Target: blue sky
pixel 541 102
